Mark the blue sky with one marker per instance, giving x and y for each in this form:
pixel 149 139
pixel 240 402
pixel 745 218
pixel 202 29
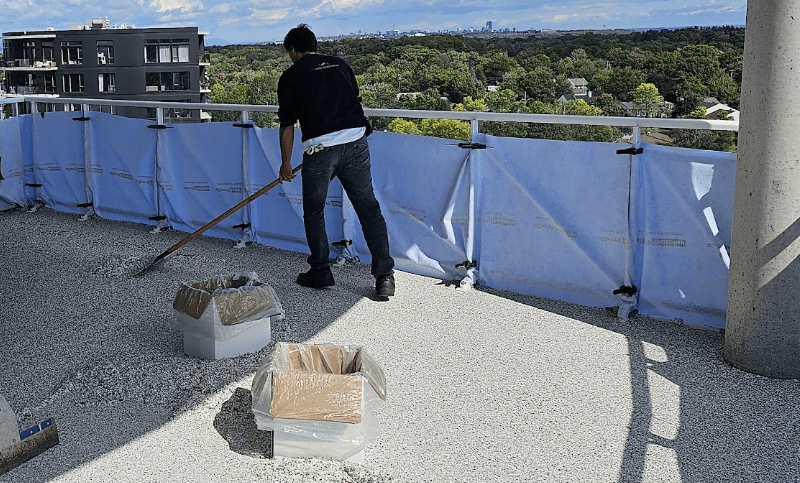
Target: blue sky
pixel 245 21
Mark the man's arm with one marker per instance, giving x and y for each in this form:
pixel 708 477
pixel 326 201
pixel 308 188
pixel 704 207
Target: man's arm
pixel 286 141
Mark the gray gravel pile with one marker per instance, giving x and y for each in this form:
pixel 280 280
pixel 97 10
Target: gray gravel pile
pixel 484 385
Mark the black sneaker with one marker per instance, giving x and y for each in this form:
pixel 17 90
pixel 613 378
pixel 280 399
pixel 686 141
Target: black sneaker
pixel 384 285
pixel 316 278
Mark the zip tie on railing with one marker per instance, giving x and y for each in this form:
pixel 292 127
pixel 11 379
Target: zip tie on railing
pixel 157 218
pixel 625 290
pixel 244 125
pixel 82 118
pixel 85 205
pixel 158 126
pixel 471 146
pixel 631 151
pixel 33 185
pixel 242 226
pixel 467 264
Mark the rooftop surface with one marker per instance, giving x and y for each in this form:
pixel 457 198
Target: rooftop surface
pixel 484 385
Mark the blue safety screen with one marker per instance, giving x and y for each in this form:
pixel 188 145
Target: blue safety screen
pixel 572 221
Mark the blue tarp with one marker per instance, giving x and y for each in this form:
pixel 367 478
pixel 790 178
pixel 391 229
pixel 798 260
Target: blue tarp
pixel 13 133
pixel 566 220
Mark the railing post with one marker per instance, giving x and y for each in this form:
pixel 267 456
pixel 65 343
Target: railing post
pixel 473 129
pixel 160 116
pixel 637 135
pixel 245 117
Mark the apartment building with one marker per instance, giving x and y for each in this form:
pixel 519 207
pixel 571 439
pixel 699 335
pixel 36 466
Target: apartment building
pixel 96 61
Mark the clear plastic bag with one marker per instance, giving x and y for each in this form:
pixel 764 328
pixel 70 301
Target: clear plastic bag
pixel 224 306
pixel 312 427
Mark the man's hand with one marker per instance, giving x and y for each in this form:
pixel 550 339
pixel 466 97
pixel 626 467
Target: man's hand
pixel 286 141
pixel 286 173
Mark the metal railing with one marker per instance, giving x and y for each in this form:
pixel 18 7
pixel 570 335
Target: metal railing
pixel 474 118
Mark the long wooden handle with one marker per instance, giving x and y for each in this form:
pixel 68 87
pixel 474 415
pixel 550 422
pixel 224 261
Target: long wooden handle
pixel 228 213
pixel 216 220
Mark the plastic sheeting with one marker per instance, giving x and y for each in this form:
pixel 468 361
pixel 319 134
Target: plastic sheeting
pixel 684 207
pixel 567 220
pixel 14 133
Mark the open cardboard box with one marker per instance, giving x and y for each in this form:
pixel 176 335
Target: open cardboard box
pixel 225 316
pixel 319 398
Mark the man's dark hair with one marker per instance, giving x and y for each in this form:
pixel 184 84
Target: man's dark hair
pixel 301 39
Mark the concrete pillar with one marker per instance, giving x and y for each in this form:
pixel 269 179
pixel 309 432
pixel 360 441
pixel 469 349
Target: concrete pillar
pixel 762 333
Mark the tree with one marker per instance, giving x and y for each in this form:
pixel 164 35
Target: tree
pixel 496 66
pixel 504 100
pixel 619 82
pixel 700 61
pixel 539 85
pixel 647 100
pixel 404 126
pixel 725 89
pixel 471 105
pixel 691 86
pixel 445 128
pixel 608 105
pixel 571 132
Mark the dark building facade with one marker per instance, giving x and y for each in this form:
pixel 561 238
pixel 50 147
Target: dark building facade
pixel 93 61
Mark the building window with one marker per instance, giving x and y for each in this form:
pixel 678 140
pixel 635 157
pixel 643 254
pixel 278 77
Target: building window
pixel 71 52
pixel 105 52
pixel 50 83
pixel 105 82
pixel 103 108
pixel 167 81
pixel 171 113
pixel 73 83
pixel 47 51
pixel 30 51
pixel 164 51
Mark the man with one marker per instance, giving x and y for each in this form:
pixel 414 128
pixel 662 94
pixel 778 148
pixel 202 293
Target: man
pixel 321 92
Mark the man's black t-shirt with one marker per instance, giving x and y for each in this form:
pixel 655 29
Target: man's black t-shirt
pixel 322 93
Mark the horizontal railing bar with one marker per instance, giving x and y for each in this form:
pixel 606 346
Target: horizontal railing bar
pixel 632 122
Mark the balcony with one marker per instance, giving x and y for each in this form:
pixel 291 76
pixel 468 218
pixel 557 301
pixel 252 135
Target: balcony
pixel 30 90
pixel 27 65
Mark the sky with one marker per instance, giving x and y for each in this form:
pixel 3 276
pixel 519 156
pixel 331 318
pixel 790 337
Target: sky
pixel 252 21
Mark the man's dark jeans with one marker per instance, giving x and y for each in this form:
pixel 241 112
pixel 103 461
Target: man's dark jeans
pixel 350 163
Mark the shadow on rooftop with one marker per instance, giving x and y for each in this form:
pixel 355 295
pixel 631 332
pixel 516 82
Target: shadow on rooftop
pixel 93 347
pixel 691 411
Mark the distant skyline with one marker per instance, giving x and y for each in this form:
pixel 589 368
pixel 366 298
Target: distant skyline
pixel 251 21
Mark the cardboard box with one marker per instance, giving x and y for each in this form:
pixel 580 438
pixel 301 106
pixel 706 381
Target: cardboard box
pixel 253 339
pixel 319 400
pixel 322 382
pixel 225 316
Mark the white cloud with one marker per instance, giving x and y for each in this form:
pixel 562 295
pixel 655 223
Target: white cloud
pixel 268 16
pixel 182 5
pixel 220 9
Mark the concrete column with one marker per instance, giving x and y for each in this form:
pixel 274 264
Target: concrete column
pixel 762 333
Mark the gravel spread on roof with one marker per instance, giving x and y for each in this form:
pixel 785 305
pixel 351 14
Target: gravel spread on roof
pixel 484 385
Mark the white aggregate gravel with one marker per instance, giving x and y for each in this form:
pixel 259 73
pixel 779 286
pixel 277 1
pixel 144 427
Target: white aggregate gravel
pixel 484 385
